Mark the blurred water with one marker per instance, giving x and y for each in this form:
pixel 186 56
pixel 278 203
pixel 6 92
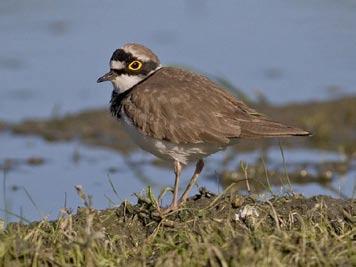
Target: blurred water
pixel 66 165
pixel 53 51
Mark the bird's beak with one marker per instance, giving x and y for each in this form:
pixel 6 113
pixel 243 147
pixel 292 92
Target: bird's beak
pixel 107 77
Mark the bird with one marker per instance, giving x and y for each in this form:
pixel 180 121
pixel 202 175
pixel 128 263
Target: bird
pixel 178 115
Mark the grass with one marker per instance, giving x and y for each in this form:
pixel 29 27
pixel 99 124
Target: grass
pixel 223 230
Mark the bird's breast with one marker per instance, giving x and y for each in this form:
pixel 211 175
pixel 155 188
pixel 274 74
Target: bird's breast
pixel 184 153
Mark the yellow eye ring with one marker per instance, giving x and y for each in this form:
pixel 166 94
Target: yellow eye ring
pixel 135 65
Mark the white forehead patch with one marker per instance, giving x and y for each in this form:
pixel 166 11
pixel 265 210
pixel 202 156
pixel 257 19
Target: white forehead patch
pixel 117 65
pixel 136 53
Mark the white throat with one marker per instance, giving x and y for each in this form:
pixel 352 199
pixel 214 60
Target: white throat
pixel 124 82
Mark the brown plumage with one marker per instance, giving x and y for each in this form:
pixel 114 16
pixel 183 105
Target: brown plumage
pixel 183 107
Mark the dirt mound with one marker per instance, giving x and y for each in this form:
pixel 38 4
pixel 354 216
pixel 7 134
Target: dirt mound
pixel 222 230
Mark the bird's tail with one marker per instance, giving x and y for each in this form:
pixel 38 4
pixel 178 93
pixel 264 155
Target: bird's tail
pixel 267 128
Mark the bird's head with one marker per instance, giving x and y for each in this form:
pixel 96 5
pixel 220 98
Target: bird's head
pixel 130 65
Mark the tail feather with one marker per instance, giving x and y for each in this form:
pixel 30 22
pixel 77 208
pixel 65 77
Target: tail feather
pixel 266 128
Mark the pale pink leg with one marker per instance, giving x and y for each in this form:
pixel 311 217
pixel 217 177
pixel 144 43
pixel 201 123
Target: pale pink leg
pixel 199 167
pixel 177 171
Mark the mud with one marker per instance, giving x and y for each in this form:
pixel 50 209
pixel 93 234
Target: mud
pixel 257 178
pixel 3 126
pixel 95 127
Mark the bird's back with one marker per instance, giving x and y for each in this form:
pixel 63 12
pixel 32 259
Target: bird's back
pixel 183 107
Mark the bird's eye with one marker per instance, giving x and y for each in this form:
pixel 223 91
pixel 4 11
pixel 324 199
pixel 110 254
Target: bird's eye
pixel 135 65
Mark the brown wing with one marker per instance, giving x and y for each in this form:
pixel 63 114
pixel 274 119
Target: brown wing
pixel 184 107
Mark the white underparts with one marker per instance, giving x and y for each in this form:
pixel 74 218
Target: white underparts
pixel 184 153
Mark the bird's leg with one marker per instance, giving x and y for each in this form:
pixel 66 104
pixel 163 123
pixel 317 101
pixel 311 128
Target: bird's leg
pixel 198 168
pixel 177 171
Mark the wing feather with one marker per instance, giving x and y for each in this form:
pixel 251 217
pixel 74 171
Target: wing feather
pixel 183 107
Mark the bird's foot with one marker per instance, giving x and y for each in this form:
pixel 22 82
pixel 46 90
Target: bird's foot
pixel 174 206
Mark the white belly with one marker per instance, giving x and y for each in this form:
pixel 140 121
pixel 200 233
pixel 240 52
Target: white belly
pixel 183 153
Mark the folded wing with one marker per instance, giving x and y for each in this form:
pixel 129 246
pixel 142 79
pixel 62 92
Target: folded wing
pixel 183 107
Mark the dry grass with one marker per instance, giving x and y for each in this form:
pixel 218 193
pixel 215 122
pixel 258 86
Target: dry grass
pixel 227 230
